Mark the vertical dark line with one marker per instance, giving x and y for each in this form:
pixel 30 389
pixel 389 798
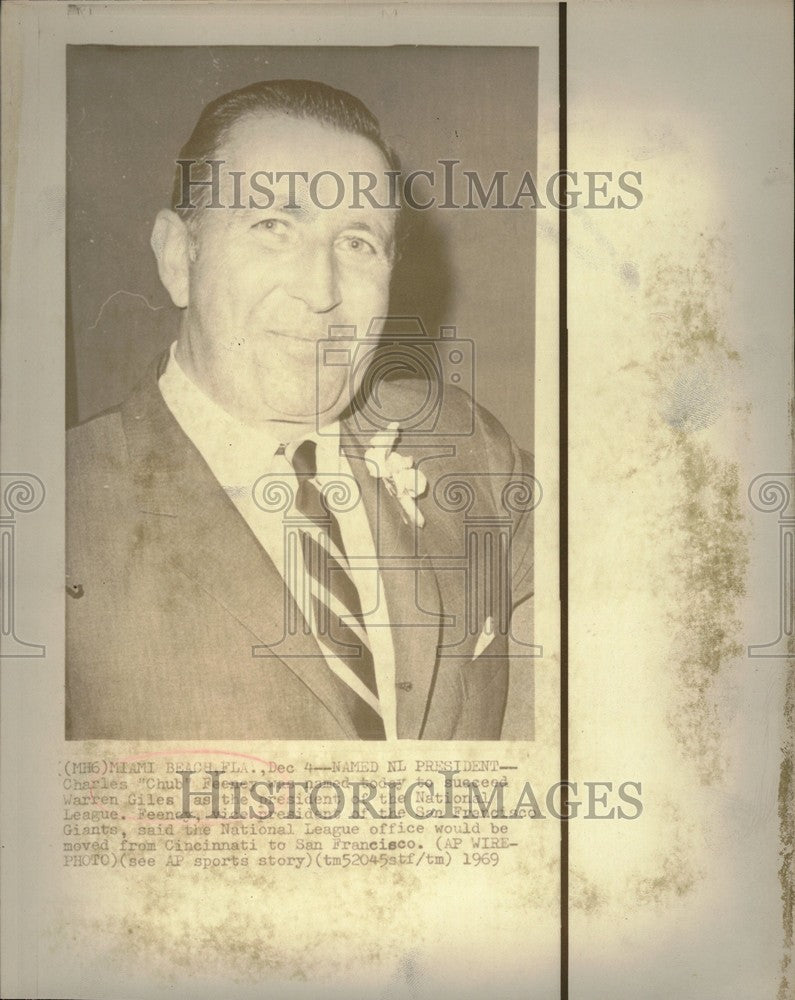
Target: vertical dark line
pixel 564 510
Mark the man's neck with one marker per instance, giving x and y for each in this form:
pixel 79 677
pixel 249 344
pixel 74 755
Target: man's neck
pixel 281 429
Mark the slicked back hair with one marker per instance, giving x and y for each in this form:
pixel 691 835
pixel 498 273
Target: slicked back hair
pixel 302 99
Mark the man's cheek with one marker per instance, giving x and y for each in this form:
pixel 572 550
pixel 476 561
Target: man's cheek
pixel 251 286
pixel 365 302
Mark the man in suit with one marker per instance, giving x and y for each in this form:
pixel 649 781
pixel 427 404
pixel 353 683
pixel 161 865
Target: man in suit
pixel 267 540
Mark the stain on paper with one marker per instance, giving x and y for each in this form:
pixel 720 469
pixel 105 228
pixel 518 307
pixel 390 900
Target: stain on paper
pixel 675 875
pixel 693 367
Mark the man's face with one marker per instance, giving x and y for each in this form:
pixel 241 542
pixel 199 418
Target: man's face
pixel 265 285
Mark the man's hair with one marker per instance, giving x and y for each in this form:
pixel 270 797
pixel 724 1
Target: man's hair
pixel 305 99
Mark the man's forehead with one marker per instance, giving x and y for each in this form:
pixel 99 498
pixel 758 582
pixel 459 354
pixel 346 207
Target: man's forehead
pixel 281 142
pixel 305 168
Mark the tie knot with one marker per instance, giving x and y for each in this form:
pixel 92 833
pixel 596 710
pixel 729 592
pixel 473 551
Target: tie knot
pixel 304 459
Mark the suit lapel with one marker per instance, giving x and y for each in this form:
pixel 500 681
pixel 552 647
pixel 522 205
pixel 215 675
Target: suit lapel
pixel 410 587
pixel 201 534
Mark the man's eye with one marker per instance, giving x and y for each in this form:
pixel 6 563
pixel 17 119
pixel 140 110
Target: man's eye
pixel 276 226
pixel 357 245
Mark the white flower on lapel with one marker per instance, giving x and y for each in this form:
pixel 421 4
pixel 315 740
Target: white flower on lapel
pixel 403 481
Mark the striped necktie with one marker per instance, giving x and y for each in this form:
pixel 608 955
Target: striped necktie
pixel 336 608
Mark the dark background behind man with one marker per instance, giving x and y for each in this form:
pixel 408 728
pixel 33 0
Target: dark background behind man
pixel 128 113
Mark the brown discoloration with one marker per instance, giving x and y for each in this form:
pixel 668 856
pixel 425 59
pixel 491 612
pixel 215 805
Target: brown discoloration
pixel 675 878
pixel 710 564
pixel 709 539
pixel 686 296
pixel 584 895
pixel 786 801
pixel 674 873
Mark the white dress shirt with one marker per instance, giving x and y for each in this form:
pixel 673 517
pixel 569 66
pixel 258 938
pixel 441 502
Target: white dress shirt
pixel 238 455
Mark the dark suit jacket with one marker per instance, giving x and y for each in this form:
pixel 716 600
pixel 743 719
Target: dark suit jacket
pixel 175 614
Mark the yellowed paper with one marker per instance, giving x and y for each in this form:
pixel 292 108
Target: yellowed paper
pixel 197 861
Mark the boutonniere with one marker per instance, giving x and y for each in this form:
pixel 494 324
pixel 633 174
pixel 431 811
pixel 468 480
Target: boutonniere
pixel 397 472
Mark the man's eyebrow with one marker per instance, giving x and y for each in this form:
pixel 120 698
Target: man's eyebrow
pixel 280 205
pixel 375 228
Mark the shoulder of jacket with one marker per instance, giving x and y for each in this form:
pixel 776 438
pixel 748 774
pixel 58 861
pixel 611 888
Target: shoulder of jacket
pixel 97 442
pixel 440 409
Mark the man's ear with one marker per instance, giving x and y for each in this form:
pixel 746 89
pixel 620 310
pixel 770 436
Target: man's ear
pixel 171 243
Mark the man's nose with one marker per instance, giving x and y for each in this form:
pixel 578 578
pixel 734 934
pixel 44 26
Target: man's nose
pixel 315 281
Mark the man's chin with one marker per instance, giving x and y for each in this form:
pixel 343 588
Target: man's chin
pixel 312 414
